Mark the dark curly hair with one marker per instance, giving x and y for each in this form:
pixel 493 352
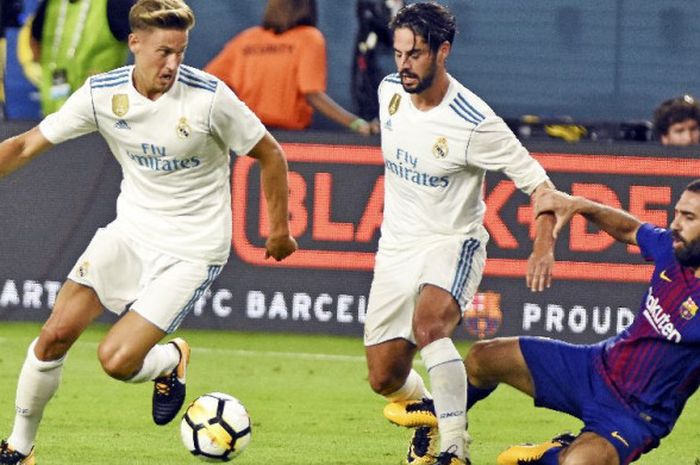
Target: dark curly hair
pixel 431 21
pixel 675 110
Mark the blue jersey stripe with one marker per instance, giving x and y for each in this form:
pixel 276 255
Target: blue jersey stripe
pixel 110 84
pixel 212 274
pixel 462 115
pixel 464 267
pixel 198 85
pixel 393 78
pixel 197 77
pixel 464 101
pixel 111 76
pixel 468 109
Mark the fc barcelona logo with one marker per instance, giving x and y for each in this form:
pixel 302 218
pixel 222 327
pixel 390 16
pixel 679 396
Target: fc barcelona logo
pixel 394 104
pixel 120 104
pixel 689 308
pixel 440 149
pixel 484 316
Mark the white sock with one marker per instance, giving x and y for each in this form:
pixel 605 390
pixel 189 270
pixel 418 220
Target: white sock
pixel 38 382
pixel 413 388
pixel 161 359
pixel 448 381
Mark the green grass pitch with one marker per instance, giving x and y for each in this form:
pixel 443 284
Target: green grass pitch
pixel 307 395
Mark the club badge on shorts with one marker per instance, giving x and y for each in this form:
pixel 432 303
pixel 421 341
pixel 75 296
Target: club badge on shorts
pixel 120 104
pixel 183 129
pixel 440 149
pixel 394 104
pixel 83 269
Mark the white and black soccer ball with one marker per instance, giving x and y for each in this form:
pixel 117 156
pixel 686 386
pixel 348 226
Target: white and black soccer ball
pixel 216 427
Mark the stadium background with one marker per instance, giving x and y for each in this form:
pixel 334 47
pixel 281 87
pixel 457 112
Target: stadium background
pixel 595 60
pixel 51 209
pixel 598 61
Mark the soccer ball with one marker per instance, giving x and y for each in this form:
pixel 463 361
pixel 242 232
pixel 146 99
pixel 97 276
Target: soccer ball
pixel 215 427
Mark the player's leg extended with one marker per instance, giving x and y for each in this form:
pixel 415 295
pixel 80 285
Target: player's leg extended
pixel 129 353
pixel 75 308
pixel 495 361
pixel 437 315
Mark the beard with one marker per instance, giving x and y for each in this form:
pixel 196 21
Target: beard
pixel 689 253
pixel 421 83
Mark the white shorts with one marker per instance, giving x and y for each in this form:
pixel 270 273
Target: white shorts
pixel 453 264
pixel 127 275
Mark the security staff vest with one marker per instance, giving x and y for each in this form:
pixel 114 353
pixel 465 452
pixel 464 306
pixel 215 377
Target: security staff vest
pixel 75 50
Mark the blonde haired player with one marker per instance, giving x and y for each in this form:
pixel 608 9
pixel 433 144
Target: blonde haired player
pixel 170 127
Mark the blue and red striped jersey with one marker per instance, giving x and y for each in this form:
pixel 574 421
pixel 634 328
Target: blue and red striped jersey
pixel 654 365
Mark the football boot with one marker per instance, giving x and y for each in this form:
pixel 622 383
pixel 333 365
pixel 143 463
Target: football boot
pixel 169 389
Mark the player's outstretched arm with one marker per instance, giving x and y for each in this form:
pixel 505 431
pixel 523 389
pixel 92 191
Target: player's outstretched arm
pixel 541 261
pixel 273 166
pixel 619 224
pixel 19 150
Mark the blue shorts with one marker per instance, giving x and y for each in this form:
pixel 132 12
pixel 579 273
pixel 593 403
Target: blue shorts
pixel 566 380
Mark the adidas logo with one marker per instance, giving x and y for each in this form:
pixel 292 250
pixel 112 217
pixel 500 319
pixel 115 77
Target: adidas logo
pixel 388 125
pixel 121 124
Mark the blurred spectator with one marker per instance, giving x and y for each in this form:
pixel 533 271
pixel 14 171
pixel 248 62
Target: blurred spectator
pixel 677 121
pixel 9 17
pixel 279 69
pixel 74 39
pixel 373 18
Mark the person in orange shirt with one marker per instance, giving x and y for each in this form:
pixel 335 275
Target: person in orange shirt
pixel 279 69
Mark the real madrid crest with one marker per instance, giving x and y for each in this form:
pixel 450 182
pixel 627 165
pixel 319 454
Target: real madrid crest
pixel 394 104
pixel 83 269
pixel 440 149
pixel 183 129
pixel 120 104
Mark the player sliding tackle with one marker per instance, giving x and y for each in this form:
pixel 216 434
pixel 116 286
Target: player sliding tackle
pixel 170 127
pixel 630 389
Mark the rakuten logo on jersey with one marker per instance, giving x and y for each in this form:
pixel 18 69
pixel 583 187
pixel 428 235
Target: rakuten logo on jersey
pixel 659 320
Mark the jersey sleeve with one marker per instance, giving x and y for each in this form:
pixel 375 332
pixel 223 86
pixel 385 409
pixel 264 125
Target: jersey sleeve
pixel 312 68
pixel 75 118
pixel 653 241
pixel 494 147
pixel 233 123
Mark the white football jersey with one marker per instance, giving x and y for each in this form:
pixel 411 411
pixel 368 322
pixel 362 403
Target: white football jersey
pixel 174 153
pixel 435 162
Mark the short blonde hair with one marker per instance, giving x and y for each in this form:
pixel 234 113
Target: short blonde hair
pixel 161 14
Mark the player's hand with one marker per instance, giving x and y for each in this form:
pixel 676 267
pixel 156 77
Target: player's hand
pixel 539 270
pixel 280 247
pixel 562 205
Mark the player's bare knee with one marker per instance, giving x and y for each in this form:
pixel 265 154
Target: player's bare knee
pixel 115 362
pixel 54 342
pixel 589 449
pixel 429 332
pixel 474 360
pixel 384 382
